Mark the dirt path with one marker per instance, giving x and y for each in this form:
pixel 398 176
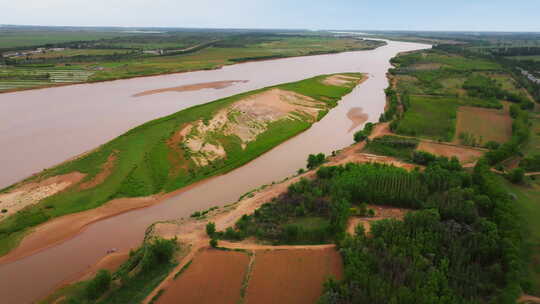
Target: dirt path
pixel 528 299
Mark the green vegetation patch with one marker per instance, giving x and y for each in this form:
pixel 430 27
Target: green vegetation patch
pixel 432 117
pixel 394 146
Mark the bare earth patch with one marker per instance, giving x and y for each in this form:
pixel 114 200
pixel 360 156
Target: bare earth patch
pixel 31 193
pixel 490 124
pixel 215 276
pixel 248 118
pixel 192 87
pixel 292 276
pixel 341 80
pixel 464 154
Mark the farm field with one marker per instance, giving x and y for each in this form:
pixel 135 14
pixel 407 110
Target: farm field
pixel 464 154
pixel 292 276
pixel 441 123
pixel 214 276
pixel 531 57
pixel 77 52
pixel 528 198
pixel 25 38
pixel 482 125
pixel 533 146
pixel 131 56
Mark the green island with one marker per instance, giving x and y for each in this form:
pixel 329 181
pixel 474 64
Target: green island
pixel 172 152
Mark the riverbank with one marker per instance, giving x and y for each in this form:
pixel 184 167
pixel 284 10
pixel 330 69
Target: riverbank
pixel 227 60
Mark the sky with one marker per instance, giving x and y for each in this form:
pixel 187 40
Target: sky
pixel 459 15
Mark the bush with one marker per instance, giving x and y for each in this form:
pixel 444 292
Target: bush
pixel 158 252
pixel 492 145
pixel 213 243
pixel 315 161
pixel 517 175
pixel 98 285
pixel 210 229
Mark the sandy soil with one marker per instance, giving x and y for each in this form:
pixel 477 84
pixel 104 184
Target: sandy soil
pixel 247 118
pixel 292 276
pixel 341 80
pixel 192 87
pixel 65 227
pixel 357 117
pixel 110 262
pixel 215 276
pixel 381 213
pixel 27 194
pixel 464 154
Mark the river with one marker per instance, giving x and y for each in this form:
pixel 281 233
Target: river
pixel 40 128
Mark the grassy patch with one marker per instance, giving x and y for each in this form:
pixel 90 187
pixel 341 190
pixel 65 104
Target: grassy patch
pixel 533 145
pixel 432 117
pixel 528 202
pixel 393 146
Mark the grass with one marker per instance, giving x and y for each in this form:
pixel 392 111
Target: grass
pixel 25 38
pixel 528 202
pixel 393 146
pixel 533 145
pixel 143 166
pixel 431 117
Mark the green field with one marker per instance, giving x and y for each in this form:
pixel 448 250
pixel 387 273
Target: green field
pixel 533 146
pixel 440 113
pixel 103 58
pixel 531 57
pixel 528 202
pixel 146 159
pixel 26 38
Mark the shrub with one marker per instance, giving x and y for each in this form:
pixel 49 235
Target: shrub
pixel 517 175
pixel 98 285
pixel 210 229
pixel 213 243
pixel 159 251
pixel 315 160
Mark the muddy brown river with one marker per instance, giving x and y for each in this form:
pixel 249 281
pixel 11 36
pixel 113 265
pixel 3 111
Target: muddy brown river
pixel 41 128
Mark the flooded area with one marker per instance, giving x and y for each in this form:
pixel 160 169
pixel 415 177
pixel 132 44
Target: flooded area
pixel 43 127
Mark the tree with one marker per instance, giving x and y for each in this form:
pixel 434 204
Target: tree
pixel 210 229
pixel 315 160
pixel 213 242
pixel 517 176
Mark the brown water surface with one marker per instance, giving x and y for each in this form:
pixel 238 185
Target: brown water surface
pixel 43 127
